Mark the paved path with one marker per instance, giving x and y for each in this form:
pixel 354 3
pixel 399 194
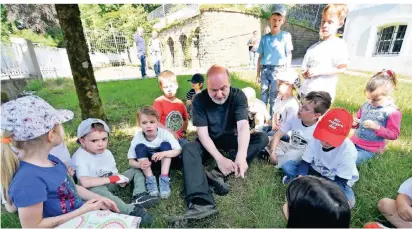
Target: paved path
pixel 130 73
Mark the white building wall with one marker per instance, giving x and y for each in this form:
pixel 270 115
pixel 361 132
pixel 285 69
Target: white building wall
pixel 360 34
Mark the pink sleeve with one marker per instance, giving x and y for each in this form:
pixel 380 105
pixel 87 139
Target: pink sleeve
pixel 358 116
pixel 393 127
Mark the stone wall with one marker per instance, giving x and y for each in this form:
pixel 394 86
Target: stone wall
pixel 173 53
pixel 302 37
pixel 223 37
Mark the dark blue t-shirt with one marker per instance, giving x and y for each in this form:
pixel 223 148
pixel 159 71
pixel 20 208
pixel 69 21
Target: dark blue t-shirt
pixel 53 186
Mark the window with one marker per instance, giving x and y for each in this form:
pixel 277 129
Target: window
pixel 390 40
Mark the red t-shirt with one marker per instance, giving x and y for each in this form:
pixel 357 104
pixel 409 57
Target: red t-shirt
pixel 171 114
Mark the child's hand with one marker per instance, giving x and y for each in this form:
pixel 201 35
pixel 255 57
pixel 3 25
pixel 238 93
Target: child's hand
pixel 305 74
pixel 369 124
pixel 92 205
pixel 405 212
pixel 355 121
pixel 275 127
pixel 158 156
pixel 145 164
pixel 123 180
pixel 108 204
pixel 70 170
pixel 273 158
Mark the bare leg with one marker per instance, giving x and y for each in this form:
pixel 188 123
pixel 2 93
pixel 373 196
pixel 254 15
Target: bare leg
pixel 388 209
pixel 166 161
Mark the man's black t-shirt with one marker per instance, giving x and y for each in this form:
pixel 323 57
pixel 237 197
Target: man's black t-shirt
pixel 220 119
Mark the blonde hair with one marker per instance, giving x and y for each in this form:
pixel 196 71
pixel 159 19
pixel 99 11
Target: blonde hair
pixel 9 165
pixel 250 94
pixel 341 10
pixel 167 76
pixel 146 110
pixel 9 159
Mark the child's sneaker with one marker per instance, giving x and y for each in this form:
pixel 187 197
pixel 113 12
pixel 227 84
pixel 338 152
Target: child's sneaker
pixel 286 180
pixel 164 186
pixel 151 186
pixel 146 200
pixel 139 211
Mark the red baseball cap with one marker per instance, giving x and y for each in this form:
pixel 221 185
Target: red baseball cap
pixel 334 127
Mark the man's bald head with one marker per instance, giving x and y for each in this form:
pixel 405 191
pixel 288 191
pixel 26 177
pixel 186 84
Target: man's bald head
pixel 217 70
pixel 218 83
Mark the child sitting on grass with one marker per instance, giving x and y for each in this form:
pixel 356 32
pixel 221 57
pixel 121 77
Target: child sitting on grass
pixel 38 183
pixel 172 111
pixel 399 212
pixel 257 111
pixel 330 155
pixel 378 119
pixel 153 145
pixel 96 170
pixel 197 86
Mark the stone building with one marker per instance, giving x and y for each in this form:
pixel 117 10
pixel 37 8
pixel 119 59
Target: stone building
pixel 220 37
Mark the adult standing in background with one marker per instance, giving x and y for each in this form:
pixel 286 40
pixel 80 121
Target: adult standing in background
pixel 141 50
pixel 253 44
pixel 155 47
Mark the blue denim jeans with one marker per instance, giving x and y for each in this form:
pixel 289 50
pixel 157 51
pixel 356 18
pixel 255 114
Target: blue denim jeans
pixel 143 65
pixel 290 168
pixel 268 85
pixel 363 155
pixel 156 67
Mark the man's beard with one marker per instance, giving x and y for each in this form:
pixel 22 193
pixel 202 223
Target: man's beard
pixel 220 102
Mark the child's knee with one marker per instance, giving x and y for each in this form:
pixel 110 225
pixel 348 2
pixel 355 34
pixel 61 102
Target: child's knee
pixel 165 146
pixel 141 151
pixel 386 205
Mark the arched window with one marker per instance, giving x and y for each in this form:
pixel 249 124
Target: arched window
pixel 171 45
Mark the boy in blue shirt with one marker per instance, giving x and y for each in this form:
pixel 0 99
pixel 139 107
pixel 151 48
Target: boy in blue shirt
pixel 275 54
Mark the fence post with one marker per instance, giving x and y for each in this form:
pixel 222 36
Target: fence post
pixel 29 57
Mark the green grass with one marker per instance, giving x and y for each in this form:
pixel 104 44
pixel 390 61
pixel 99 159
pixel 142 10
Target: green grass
pixel 257 200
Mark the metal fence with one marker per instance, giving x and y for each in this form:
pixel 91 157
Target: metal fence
pixel 12 61
pixel 168 9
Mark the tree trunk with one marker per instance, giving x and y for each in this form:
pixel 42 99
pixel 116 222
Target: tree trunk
pixel 80 64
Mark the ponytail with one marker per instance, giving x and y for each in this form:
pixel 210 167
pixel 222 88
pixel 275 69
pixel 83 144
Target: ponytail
pixel 9 163
pixel 386 78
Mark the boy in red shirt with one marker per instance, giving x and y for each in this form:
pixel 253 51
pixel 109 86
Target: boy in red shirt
pixel 172 111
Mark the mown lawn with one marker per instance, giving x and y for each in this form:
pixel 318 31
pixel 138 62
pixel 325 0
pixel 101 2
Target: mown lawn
pixel 257 200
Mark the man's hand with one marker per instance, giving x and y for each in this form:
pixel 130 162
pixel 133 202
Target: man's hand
pixel 241 167
pixel 369 124
pixel 158 156
pixel 145 164
pixel 405 212
pixel 226 166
